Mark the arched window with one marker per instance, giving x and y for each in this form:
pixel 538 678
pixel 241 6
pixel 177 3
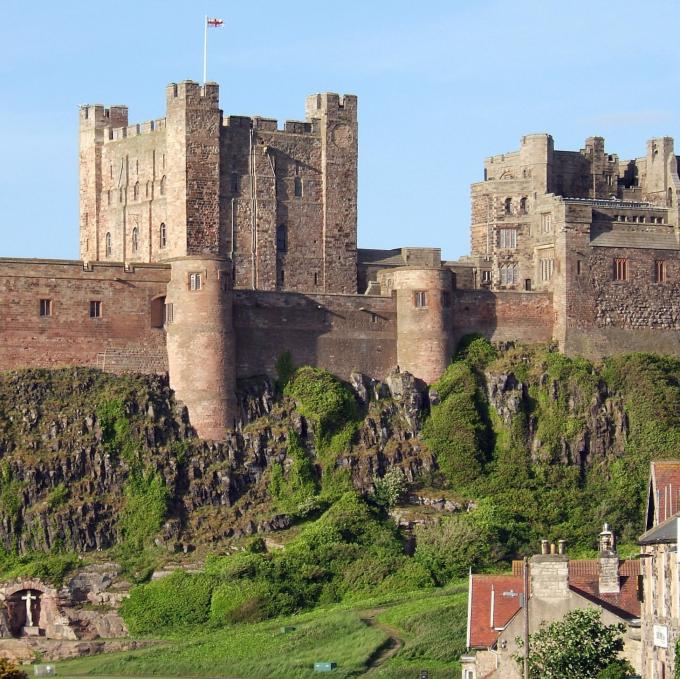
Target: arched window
pixel 670 197
pixel 508 206
pixel 135 239
pixel 163 185
pixel 233 182
pixel 135 191
pixel 107 244
pixel 163 235
pixel 298 187
pixel 281 238
pixel 523 205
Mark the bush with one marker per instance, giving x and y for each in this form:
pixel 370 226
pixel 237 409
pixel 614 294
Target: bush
pixel 10 670
pixel 238 601
pixel 619 669
pixel 176 601
pixel 391 488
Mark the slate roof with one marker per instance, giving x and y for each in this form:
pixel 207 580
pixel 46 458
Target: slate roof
pixel 665 532
pixel 631 239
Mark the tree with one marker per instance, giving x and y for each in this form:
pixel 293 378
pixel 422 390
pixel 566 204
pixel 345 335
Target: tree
pixel 579 646
pixel 9 670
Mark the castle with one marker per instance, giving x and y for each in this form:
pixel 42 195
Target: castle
pixel 210 245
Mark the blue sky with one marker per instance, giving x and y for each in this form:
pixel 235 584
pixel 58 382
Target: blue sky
pixel 441 85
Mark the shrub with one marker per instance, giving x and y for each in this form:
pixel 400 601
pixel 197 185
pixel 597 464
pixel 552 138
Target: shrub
pixel 175 601
pixel 391 488
pixel 10 670
pixel 238 601
pixel 285 369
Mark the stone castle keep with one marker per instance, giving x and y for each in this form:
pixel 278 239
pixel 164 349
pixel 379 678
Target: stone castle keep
pixel 211 244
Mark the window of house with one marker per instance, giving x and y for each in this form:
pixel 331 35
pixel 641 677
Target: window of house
pixel 523 205
pixel 546 223
pixel 45 307
pixel 281 238
pixel 107 245
pixel 135 239
pixel 163 235
pixel 508 206
pixel 547 267
pixel 195 281
pixel 95 309
pixel 508 274
pixel 620 269
pixel 162 186
pixel 420 299
pixel 660 271
pixel 507 238
pixel 298 187
pixel 233 182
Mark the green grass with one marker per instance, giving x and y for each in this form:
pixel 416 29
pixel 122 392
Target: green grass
pixel 431 626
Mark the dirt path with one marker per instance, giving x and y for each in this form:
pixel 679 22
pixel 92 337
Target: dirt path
pixel 386 650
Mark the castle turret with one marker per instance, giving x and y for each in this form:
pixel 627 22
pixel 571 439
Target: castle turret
pixel 200 340
pixel 536 158
pixel 193 124
pixel 424 344
pixel 337 117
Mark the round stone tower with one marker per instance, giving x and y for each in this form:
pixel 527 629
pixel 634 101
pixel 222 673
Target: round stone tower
pixel 424 345
pixel 200 340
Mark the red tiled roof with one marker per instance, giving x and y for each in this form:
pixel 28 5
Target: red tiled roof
pixel 583 580
pixel 664 490
pixel 487 592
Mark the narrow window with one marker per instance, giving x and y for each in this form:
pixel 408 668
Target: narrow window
pixel 169 314
pixel 420 299
pixel 660 271
pixel 95 309
pixel 108 197
pixel 547 268
pixel 195 281
pixel 486 276
pixel 546 223
pixel 107 245
pixel 45 307
pixel 233 182
pixel 316 278
pixel 281 238
pixel 620 269
pixel 374 318
pixel 135 239
pixel 163 235
pixel 298 187
pixel 162 187
pixel 527 284
pixel 121 195
pixel 523 205
pixel 148 189
pixel 578 267
pixel 508 206
pixel 670 197
pixel 135 191
pixel 282 276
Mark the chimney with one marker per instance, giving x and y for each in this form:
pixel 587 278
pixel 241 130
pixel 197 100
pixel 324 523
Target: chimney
pixel 549 573
pixel 609 563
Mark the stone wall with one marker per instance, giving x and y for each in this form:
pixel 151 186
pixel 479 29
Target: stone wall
pixel 122 339
pixel 342 333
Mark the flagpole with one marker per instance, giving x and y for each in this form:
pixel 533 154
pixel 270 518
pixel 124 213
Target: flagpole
pixel 205 49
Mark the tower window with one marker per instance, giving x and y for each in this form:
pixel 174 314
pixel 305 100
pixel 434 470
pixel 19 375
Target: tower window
pixel 282 277
pixel 660 271
pixel 169 314
pixel 316 278
pixel 121 195
pixel 281 238
pixel 135 191
pixel 108 197
pixel 148 189
pixel 107 245
pixel 546 223
pixel 523 205
pixel 486 276
pixel 620 269
pixel 298 187
pixel 95 309
pixel 162 187
pixel 508 206
pixel 135 239
pixel 195 282
pixel 163 235
pixel 420 299
pixel 45 307
pixel 233 182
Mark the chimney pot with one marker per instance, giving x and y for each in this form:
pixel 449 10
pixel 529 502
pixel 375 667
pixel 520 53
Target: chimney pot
pixel 553 549
pixel 561 544
pixel 544 547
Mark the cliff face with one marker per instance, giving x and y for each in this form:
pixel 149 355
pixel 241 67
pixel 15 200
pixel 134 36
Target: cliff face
pixel 72 442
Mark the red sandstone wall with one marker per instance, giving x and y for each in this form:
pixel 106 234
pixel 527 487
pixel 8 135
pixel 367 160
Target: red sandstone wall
pixel 341 333
pixel 121 340
pixel 503 316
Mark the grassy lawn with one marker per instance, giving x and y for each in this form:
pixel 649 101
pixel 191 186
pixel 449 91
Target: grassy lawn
pixel 430 625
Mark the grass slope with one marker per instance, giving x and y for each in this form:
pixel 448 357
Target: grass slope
pixel 430 626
